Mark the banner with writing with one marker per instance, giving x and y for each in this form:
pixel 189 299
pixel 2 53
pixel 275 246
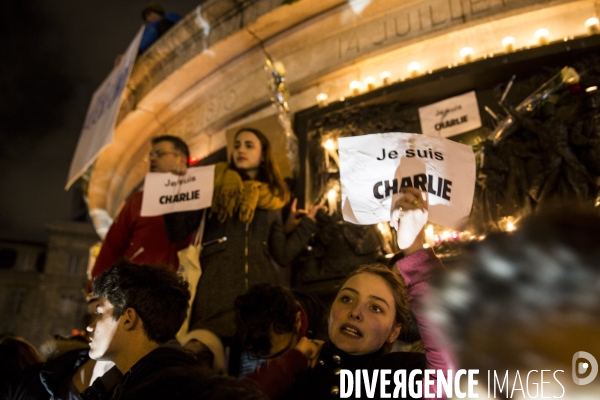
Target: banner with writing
pixel 166 193
pixel 99 124
pixel 374 169
pixel 450 117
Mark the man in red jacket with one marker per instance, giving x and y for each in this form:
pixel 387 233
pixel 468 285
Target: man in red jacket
pixel 143 240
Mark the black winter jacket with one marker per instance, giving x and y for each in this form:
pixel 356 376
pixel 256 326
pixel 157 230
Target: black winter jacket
pixel 168 372
pixel 51 380
pixel 230 266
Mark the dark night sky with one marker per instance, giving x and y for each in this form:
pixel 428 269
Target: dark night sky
pixel 53 55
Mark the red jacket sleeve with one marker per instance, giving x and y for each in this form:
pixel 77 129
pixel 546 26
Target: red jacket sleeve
pixel 417 269
pixel 276 376
pixel 117 239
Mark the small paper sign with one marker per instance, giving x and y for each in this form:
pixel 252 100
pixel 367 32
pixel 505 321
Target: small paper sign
pixel 374 169
pixel 450 117
pixel 166 193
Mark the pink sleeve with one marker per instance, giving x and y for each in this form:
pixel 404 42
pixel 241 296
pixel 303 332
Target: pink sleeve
pixel 276 376
pixel 417 269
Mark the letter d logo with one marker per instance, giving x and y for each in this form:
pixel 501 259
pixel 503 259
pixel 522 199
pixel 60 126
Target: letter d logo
pixel 583 367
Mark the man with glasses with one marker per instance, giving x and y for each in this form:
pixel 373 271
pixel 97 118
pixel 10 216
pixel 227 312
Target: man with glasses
pixel 143 239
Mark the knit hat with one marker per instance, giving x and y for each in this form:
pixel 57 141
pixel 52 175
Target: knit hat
pixel 152 6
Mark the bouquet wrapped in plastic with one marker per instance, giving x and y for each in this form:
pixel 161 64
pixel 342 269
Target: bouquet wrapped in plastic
pixel 548 92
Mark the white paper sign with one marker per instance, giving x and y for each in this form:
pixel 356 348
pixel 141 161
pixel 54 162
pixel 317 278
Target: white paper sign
pixel 99 124
pixel 167 193
pixel 450 117
pixel 374 168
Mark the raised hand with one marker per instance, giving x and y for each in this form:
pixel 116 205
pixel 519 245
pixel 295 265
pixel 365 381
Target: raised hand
pixel 409 217
pixel 296 216
pixel 310 349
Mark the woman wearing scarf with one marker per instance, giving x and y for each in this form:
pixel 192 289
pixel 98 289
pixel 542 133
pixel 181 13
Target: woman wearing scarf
pixel 243 233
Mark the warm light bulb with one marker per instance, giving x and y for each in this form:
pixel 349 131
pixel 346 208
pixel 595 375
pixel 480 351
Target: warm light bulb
pixel 508 44
pixel 369 82
pixel 355 87
pixel 592 25
pixel 413 68
pixel 332 195
pixel 591 89
pixel 466 53
pixel 510 226
pixel 446 235
pixel 385 77
pixel 329 145
pixel 542 35
pixel 322 99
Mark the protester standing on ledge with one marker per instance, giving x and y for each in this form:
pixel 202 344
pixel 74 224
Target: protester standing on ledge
pixel 243 232
pixel 143 239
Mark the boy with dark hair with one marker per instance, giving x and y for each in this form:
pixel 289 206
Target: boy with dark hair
pixel 140 309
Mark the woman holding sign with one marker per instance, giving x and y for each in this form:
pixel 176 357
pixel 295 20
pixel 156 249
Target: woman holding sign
pixel 364 320
pixel 244 232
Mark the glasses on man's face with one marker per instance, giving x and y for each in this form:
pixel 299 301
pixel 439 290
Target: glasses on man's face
pixel 156 154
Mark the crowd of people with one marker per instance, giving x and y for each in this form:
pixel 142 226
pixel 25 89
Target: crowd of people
pixel 525 300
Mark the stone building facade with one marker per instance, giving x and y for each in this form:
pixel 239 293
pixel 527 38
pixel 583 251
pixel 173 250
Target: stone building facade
pixel 41 292
pixel 207 76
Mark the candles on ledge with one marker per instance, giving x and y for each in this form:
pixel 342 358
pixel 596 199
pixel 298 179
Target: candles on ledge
pixel 592 25
pixel 355 87
pixel 369 82
pixel 542 36
pixel 385 77
pixel 332 196
pixel 322 99
pixel 429 236
pixel 466 53
pixel 508 43
pixel 331 152
pixel 413 69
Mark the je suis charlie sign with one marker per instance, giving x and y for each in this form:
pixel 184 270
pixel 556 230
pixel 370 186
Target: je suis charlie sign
pixel 166 193
pixel 450 117
pixel 374 169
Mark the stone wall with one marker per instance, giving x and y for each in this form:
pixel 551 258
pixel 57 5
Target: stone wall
pixel 37 304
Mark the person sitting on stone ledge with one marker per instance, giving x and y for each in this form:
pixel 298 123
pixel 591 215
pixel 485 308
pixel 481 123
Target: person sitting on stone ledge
pixel 157 23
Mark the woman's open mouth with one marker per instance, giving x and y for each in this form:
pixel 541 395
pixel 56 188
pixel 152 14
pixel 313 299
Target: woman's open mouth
pixel 351 331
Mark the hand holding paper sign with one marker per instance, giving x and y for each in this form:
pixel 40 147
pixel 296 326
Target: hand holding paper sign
pixel 409 217
pixel 166 193
pixel 375 168
pixel 179 169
